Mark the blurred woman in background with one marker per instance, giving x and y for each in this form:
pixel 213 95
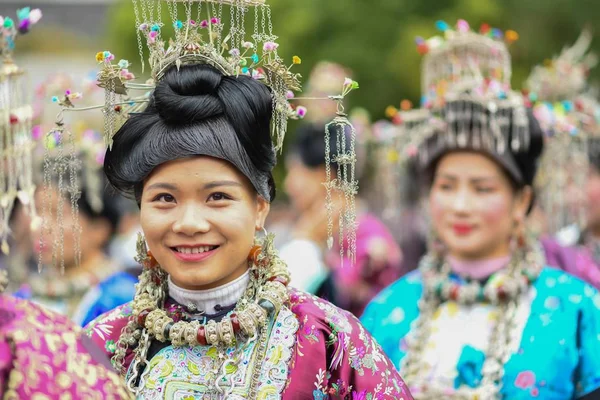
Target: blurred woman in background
pixel 378 256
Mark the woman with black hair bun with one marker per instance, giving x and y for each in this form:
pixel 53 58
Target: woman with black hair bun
pixel 349 285
pixel 483 316
pixel 212 316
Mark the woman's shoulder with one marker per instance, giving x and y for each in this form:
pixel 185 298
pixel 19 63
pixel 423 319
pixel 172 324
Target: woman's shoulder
pixel 553 283
pixel 105 329
pixel 23 314
pixel 407 288
pixel 562 281
pixel 315 311
pixel 349 354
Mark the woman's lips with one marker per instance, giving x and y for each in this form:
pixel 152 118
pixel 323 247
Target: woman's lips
pixel 193 257
pixel 462 229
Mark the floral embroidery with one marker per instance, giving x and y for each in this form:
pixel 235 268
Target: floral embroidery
pixel 313 335
pixel 110 346
pixel 103 326
pixel 525 380
pixel 559 319
pixel 178 372
pixel 47 358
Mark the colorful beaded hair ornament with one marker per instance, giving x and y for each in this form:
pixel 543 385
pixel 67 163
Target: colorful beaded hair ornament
pixel 570 117
pixel 466 101
pixel 213 32
pixel 16 144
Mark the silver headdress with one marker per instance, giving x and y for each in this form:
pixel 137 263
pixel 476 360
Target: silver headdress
pixel 211 32
pixel 466 102
pixel 16 144
pixel 569 114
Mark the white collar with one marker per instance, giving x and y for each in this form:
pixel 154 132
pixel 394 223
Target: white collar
pixel 207 300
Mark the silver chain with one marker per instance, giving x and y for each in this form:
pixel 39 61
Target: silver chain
pixel 256 36
pixel 199 15
pixel 233 27
pixel 138 33
pixel 74 194
pixel 328 187
pixel 172 6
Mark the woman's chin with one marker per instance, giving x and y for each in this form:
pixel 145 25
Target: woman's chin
pixel 197 280
pixel 466 252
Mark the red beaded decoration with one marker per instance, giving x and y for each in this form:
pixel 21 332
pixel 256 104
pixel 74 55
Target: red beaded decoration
pixel 254 253
pixel 501 293
pixel 235 322
pixel 454 292
pixel 279 279
pixel 141 319
pixel 201 336
pixel 152 263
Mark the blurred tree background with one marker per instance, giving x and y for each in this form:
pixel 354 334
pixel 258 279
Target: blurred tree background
pixel 375 38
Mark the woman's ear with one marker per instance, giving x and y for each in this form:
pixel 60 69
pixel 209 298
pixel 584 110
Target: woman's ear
pixel 523 202
pixel 262 211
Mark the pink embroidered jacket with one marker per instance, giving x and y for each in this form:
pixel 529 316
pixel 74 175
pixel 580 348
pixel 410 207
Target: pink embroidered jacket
pixel 314 351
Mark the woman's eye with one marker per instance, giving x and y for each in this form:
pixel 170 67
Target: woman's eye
pixel 165 198
pixel 484 190
pixel 445 186
pixel 218 197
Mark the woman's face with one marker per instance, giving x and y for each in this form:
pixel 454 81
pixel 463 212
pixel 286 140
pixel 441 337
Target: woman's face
pixel 304 185
pixel 474 207
pixel 199 216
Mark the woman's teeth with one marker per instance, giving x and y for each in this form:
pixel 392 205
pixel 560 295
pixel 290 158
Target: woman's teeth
pixel 194 250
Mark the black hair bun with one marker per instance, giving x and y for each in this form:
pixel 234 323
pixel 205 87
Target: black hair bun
pixel 182 97
pixel 195 110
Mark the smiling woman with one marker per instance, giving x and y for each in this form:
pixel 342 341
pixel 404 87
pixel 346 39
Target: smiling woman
pixel 201 210
pixel 212 316
pixel 474 204
pixel 482 317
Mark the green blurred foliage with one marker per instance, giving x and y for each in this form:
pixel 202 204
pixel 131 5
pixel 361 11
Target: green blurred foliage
pixel 375 38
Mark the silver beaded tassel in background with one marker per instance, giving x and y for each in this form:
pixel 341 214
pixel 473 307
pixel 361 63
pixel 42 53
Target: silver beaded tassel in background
pixel 61 180
pixel 16 146
pixel 345 183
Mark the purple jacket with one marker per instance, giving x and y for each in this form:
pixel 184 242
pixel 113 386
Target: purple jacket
pixel 576 261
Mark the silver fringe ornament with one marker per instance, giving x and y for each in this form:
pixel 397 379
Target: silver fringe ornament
pixel 345 182
pixel 16 142
pixel 60 183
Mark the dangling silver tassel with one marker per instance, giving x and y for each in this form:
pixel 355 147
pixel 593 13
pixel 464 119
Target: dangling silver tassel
pixel 16 146
pixel 478 126
pixel 497 139
pixel 60 167
pixel 345 183
pixel 521 125
pixel 451 117
pixel 464 116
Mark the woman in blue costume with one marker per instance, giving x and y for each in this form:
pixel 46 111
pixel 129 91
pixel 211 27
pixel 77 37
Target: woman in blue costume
pixel 482 317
